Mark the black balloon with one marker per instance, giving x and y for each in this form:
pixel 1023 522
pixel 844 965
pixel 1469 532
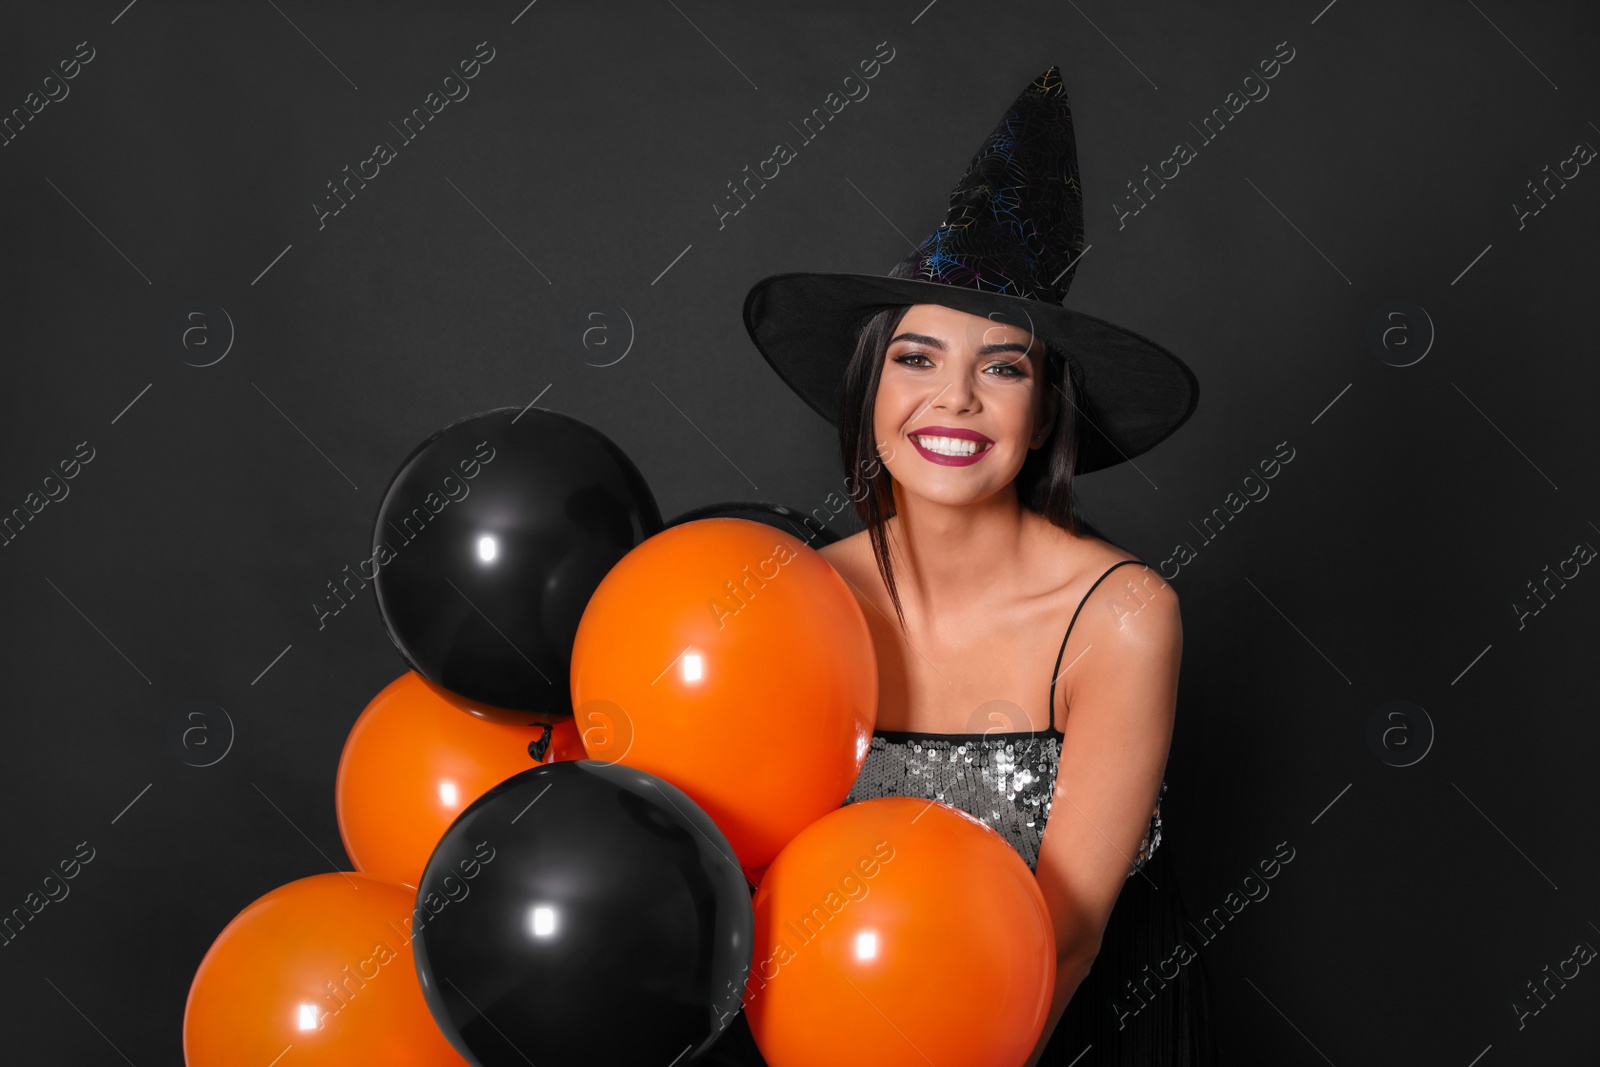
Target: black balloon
pixel 490 539
pixel 583 913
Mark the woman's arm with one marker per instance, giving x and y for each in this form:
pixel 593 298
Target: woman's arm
pixel 1123 699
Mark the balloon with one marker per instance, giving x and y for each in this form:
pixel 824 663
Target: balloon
pixel 565 743
pixel 808 528
pixel 489 540
pixel 732 660
pixel 323 967
pixel 489 712
pixel 583 913
pixel 413 763
pixel 896 930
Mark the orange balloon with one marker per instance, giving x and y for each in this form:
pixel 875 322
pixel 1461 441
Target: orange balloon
pixel 896 931
pixel 732 660
pixel 565 743
pixel 322 969
pixel 412 763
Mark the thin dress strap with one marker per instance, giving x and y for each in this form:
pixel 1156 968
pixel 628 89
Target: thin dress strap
pixel 1057 672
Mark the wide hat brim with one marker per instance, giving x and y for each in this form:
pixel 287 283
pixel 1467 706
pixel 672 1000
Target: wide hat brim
pixel 1130 393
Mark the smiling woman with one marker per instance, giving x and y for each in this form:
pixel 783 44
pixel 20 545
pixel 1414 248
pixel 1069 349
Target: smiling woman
pixel 952 446
pixel 981 398
pixel 980 373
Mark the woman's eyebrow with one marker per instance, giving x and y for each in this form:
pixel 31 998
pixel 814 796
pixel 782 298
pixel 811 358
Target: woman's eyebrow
pixel 934 342
pixel 1006 346
pixel 918 338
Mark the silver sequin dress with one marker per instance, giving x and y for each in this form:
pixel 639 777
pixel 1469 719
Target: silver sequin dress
pixel 1005 779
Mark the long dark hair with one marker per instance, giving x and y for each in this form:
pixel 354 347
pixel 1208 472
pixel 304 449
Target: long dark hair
pixel 1044 484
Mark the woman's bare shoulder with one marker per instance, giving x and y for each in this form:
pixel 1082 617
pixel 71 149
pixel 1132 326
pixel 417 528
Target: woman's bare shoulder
pixel 1132 618
pixel 846 551
pixel 1080 559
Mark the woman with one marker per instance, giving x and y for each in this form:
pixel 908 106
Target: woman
pixel 967 398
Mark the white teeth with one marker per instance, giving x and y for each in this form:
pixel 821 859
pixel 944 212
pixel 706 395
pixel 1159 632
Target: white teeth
pixel 949 446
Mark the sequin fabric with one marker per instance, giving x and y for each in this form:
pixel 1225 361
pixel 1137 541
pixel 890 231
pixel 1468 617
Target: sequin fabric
pixel 1005 779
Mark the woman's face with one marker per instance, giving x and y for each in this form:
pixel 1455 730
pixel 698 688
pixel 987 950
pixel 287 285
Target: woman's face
pixel 958 383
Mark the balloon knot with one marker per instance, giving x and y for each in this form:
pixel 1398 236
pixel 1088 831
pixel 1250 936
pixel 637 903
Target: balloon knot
pixel 537 749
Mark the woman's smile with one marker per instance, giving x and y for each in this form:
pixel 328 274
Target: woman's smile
pixel 950 450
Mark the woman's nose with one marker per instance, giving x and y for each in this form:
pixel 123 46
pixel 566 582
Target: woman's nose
pixel 955 393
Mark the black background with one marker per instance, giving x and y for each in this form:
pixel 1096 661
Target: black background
pixel 579 176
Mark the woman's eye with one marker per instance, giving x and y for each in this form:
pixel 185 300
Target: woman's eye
pixel 1008 370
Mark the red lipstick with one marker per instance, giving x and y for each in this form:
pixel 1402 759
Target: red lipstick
pixel 985 445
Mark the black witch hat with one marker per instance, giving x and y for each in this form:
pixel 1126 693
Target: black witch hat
pixel 1007 250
